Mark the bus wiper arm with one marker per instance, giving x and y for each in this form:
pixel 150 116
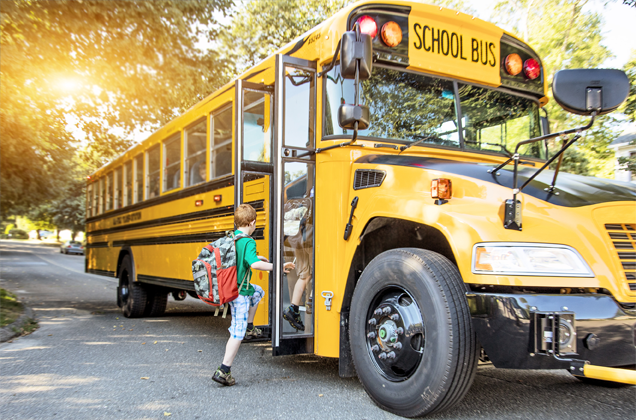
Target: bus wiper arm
pixel 423 139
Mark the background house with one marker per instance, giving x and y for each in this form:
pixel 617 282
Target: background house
pixel 625 146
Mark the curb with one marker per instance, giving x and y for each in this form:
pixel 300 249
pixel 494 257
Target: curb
pixel 7 333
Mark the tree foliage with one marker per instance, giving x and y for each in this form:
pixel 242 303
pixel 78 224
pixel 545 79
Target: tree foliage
pixel 570 37
pixel 107 67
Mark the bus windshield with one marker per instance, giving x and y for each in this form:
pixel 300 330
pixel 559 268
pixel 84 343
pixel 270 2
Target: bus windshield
pixel 409 107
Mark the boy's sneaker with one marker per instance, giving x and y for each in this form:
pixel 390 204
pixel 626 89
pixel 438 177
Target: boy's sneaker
pixel 223 378
pixel 253 333
pixel 293 318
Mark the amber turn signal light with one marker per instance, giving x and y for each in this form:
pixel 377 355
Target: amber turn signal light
pixel 198 203
pixel 218 198
pixel 441 188
pixel 513 64
pixel 391 34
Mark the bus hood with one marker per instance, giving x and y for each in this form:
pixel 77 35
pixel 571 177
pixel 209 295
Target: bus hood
pixel 574 190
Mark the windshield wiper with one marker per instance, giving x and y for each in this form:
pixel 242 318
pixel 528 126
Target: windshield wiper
pixel 501 146
pixel 406 146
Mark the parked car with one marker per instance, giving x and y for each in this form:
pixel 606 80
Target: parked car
pixel 72 247
pixel 17 234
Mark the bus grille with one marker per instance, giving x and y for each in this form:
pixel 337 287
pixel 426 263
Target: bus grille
pixel 623 236
pixel 368 178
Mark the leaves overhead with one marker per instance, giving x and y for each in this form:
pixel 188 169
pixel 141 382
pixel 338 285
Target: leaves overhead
pixel 105 67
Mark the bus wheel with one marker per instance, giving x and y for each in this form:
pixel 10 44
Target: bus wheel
pixel 411 334
pixel 131 295
pixel 156 302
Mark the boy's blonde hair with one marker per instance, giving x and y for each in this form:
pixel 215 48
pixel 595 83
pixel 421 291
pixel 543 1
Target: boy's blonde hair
pixel 244 215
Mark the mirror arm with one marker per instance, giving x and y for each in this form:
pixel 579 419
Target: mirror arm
pixel 331 65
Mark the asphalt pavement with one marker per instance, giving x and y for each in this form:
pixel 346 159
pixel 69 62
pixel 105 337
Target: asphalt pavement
pixel 86 361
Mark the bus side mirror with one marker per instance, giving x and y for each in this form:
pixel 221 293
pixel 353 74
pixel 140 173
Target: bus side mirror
pixel 584 91
pixel 356 62
pixel 356 54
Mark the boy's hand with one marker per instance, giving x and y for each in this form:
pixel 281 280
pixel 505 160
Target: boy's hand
pixel 288 267
pixel 263 258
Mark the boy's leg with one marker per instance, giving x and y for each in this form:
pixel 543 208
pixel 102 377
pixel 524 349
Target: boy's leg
pixel 231 349
pixel 240 312
pixel 252 331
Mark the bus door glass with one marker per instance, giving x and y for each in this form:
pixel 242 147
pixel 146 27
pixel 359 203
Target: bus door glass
pixel 293 293
pixel 253 173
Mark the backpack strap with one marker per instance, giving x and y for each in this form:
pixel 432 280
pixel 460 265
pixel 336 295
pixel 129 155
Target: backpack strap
pixel 236 238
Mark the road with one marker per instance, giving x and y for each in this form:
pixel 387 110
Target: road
pixel 86 361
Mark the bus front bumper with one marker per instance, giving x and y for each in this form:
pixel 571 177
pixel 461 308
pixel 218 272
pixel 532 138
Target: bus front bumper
pixel 586 334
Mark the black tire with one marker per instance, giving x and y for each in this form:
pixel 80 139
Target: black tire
pixel 436 362
pixel 133 296
pixel 156 302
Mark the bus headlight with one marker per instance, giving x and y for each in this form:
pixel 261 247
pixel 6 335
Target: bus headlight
pixel 524 259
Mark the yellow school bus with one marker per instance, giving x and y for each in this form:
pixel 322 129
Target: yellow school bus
pixel 397 154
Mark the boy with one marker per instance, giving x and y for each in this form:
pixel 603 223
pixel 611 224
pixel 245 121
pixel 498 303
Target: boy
pixel 244 307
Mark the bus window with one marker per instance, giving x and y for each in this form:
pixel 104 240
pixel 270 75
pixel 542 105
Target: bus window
pixel 195 170
pixel 109 191
pixel 299 107
pixel 152 165
pixel 495 121
pixel 172 163
pixel 404 106
pixel 221 143
pixel 119 194
pixel 128 187
pixel 139 178
pixel 89 201
pixel 257 133
pixel 102 194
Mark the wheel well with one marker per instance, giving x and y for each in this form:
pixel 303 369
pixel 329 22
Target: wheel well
pixel 382 234
pixel 125 251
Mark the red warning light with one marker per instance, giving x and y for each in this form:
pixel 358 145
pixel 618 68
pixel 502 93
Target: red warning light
pixel 368 25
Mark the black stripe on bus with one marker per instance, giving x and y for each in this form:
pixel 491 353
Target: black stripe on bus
pixel 101 272
pixel 228 181
pixel 166 282
pixel 181 218
pixel 182 239
pixel 97 245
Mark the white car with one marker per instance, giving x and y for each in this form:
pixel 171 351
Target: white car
pixel 72 247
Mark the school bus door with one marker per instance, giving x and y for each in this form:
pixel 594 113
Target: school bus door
pixel 254 171
pixel 293 203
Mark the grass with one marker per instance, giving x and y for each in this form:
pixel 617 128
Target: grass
pixel 10 308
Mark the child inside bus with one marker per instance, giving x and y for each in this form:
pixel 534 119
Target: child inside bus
pixel 244 307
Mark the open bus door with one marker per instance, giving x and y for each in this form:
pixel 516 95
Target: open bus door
pixel 254 170
pixel 293 203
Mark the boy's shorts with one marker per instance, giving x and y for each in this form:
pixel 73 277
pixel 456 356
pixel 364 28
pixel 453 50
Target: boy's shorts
pixel 240 308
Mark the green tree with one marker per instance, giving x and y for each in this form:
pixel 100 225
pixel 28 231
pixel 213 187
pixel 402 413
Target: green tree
pixel 107 67
pixel 630 103
pixel 566 35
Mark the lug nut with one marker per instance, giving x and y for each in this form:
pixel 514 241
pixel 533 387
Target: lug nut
pixel 375 348
pixel 372 321
pixel 371 335
pixel 387 310
pixel 400 331
pixel 395 317
pixel 377 311
pixel 382 356
pixel 397 345
pixel 391 355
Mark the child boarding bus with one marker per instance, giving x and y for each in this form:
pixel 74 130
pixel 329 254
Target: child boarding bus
pixel 397 155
